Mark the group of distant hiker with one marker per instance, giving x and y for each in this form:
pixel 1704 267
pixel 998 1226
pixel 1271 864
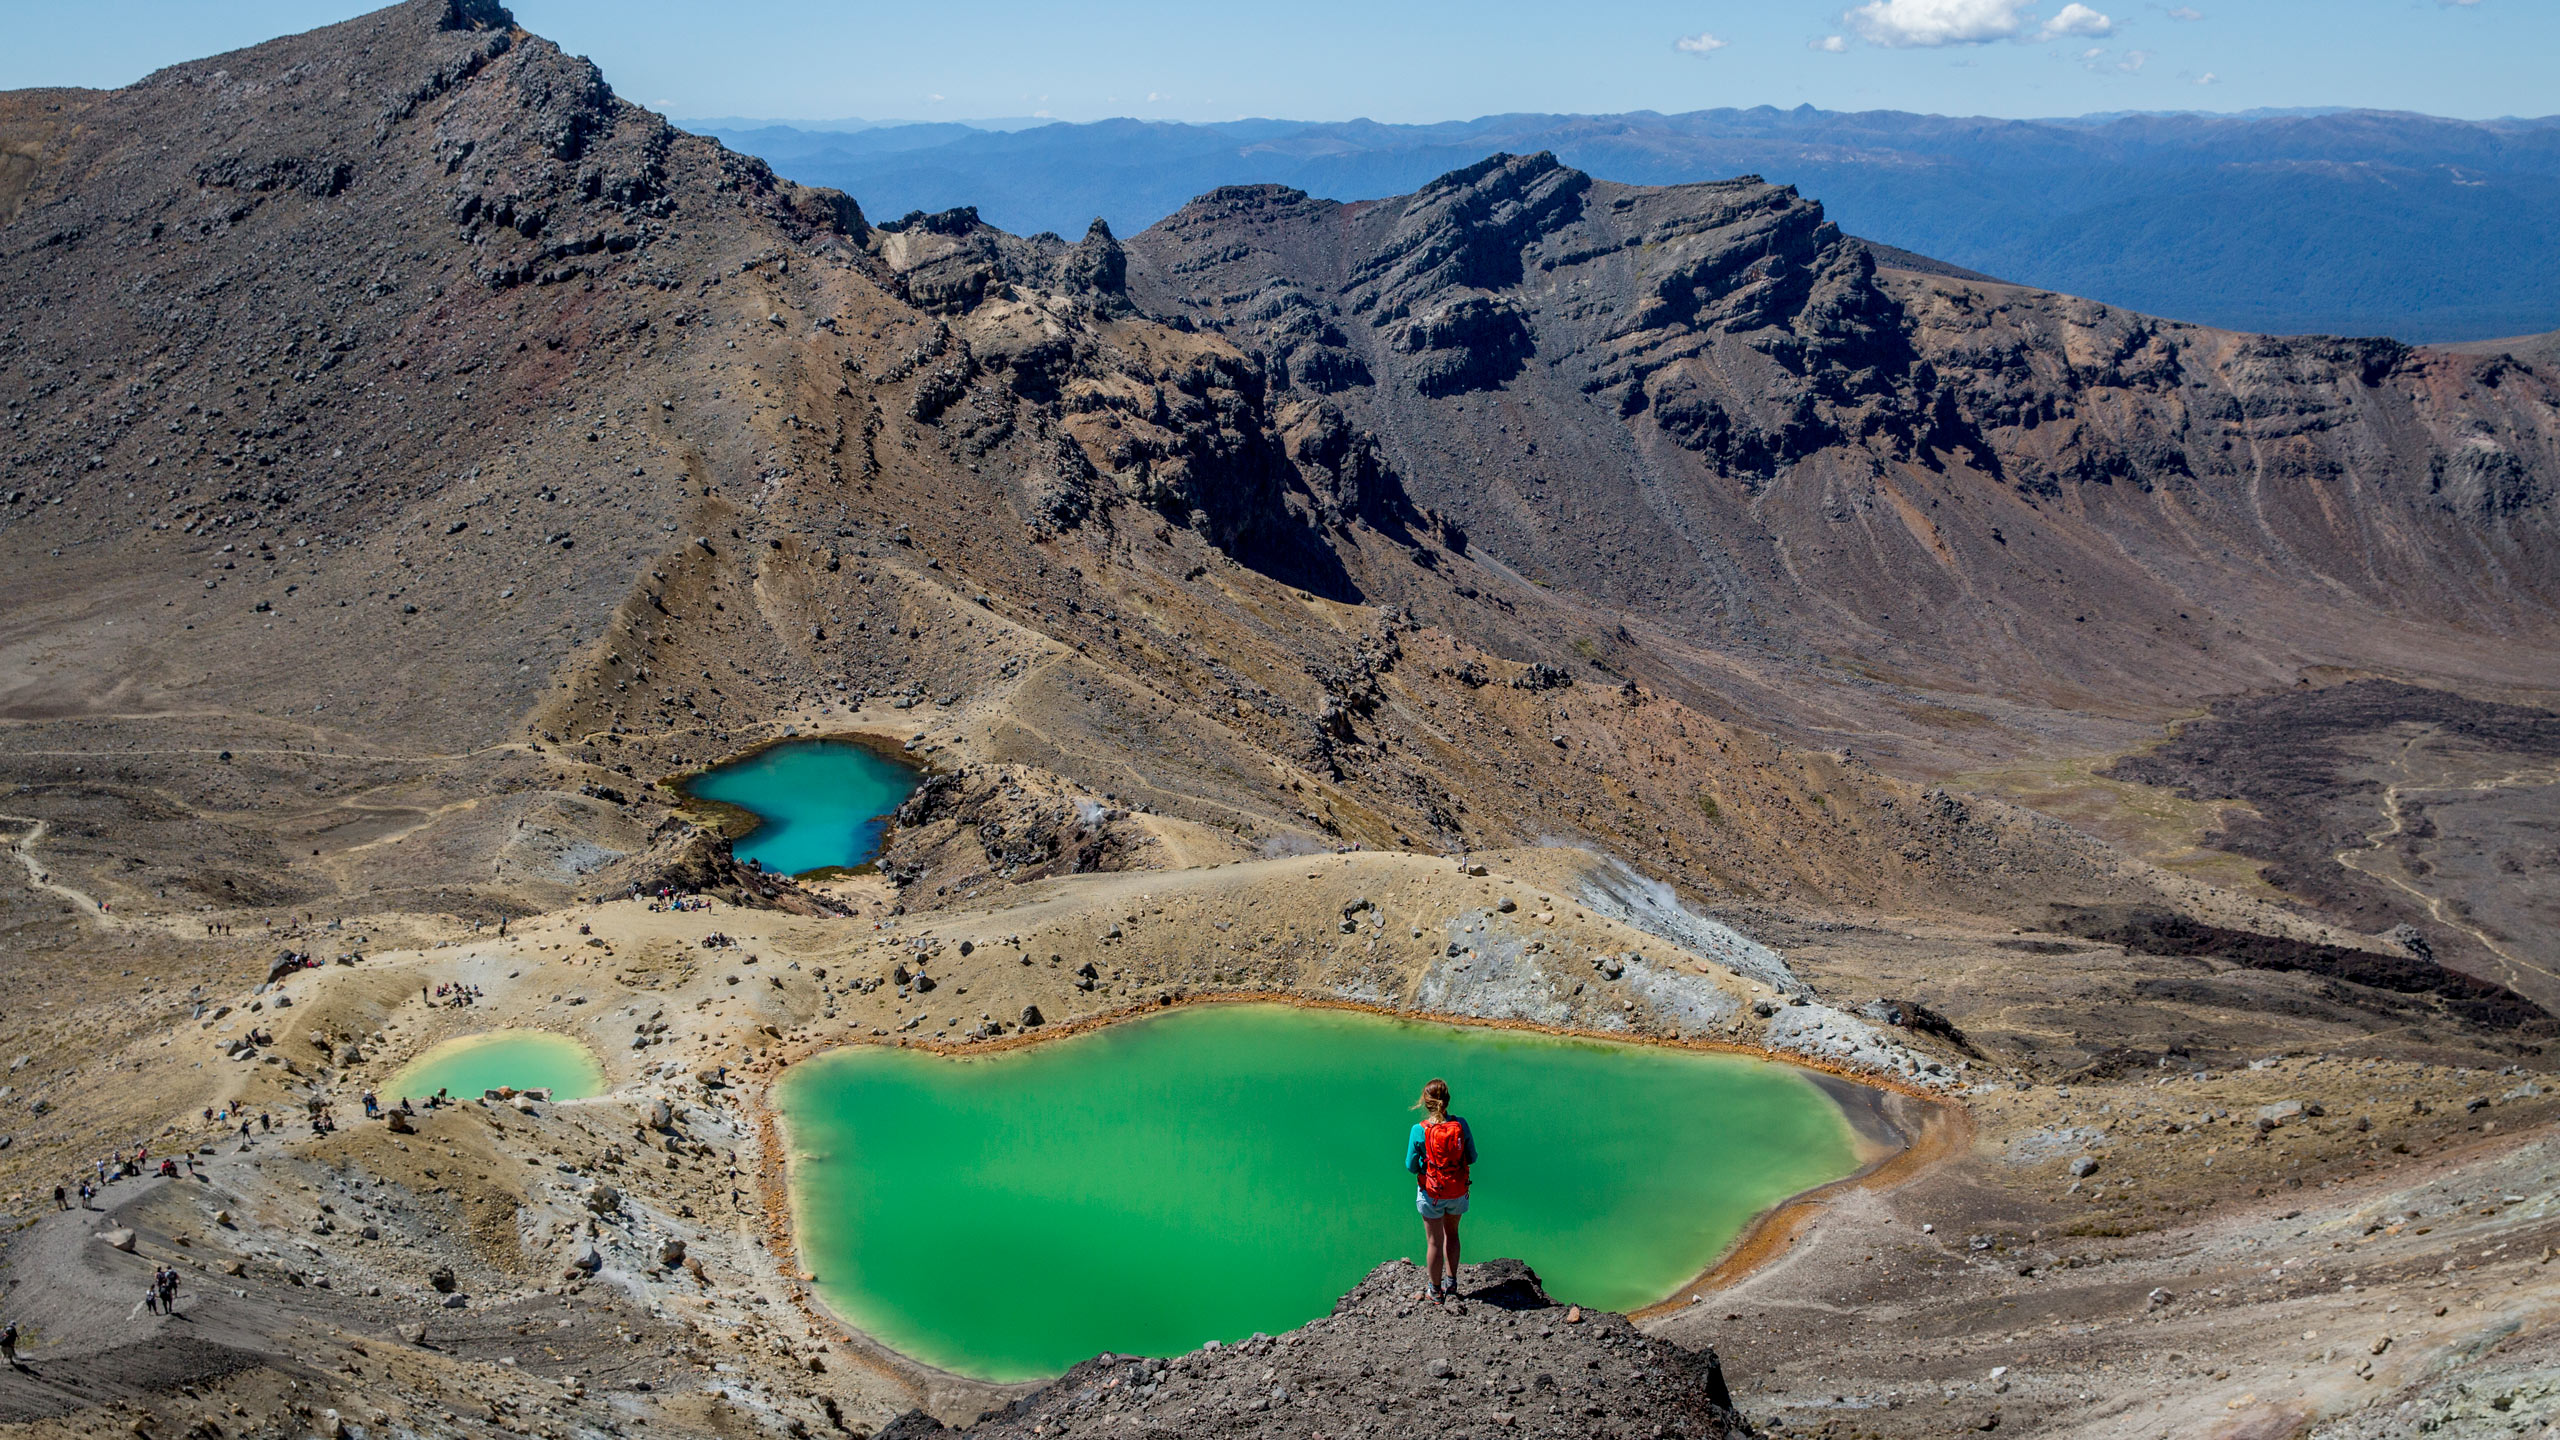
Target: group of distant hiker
pixel 668 900
pixel 224 1116
pixel 162 1296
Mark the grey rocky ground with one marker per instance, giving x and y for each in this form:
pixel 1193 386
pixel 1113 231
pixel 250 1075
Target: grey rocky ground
pixel 1503 1358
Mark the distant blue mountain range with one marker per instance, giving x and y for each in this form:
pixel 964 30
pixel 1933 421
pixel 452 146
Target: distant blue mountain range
pixel 2348 222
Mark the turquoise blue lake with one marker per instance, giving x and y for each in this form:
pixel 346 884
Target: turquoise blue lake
pixel 1207 1173
pixel 817 802
pixel 523 1059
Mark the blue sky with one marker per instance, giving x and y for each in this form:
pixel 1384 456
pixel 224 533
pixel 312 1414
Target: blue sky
pixel 1422 60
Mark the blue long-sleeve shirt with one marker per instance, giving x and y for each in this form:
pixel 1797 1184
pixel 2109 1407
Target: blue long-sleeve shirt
pixel 1413 1145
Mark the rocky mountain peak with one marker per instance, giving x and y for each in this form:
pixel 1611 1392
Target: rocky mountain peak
pixel 1466 230
pixel 469 14
pixel 1722 349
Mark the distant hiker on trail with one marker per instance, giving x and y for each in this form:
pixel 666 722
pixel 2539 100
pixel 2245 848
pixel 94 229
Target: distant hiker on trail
pixel 9 1346
pixel 1438 1153
pixel 61 1198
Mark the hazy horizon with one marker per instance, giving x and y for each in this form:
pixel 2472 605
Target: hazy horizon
pixel 1324 61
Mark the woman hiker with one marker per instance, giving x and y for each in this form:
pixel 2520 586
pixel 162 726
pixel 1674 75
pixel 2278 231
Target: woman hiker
pixel 1438 1153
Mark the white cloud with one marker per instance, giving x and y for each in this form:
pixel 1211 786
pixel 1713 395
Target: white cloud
pixel 2208 78
pixel 1828 44
pixel 1903 24
pixel 1705 42
pixel 2185 12
pixel 2075 19
pixel 936 99
pixel 2457 2
pixel 2129 63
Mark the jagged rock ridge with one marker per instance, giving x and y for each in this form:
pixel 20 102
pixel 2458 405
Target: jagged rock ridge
pixel 1706 405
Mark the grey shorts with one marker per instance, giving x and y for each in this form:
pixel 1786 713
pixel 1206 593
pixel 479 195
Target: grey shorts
pixel 1433 1209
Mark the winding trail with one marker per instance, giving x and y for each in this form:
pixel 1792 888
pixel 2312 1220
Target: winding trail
pixel 2376 841
pixel 25 849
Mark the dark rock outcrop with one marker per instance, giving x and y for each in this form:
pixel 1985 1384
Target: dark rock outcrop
pixel 698 861
pixel 1504 1358
pixel 2150 931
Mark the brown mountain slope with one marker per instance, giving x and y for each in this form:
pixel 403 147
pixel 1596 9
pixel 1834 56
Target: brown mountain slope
pixel 416 441
pixel 395 397
pixel 1705 406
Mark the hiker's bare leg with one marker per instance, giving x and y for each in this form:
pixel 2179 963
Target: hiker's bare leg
pixel 1435 1246
pixel 1449 1229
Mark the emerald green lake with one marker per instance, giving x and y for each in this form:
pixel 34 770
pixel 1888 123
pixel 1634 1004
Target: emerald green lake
pixel 1208 1173
pixel 525 1059
pixel 817 802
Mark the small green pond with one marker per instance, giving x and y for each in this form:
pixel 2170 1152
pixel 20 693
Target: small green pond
pixel 1212 1172
pixel 525 1059
pixel 817 803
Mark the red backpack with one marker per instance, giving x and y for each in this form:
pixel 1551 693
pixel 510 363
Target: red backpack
pixel 1444 1159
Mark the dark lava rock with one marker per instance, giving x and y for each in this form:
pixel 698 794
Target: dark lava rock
pixel 1387 1362
pixel 1914 1016
pixel 2150 931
